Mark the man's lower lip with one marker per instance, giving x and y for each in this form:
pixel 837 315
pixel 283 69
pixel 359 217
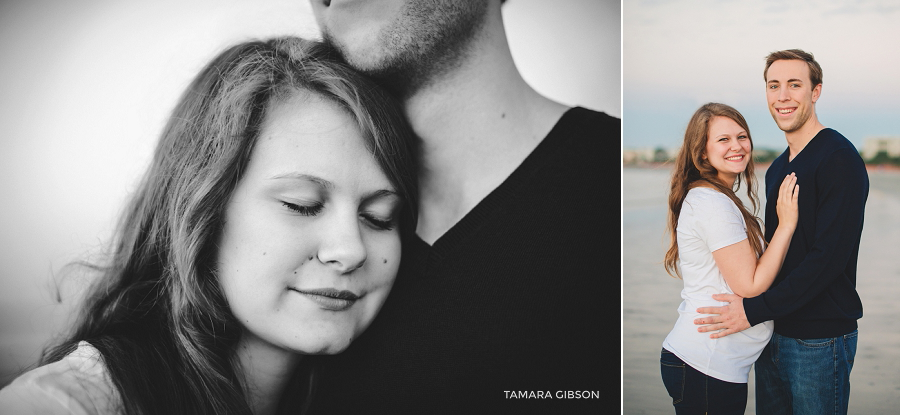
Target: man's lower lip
pixel 330 303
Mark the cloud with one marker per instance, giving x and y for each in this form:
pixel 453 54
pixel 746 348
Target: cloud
pixel 714 50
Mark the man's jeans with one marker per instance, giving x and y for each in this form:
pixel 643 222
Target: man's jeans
pixel 805 376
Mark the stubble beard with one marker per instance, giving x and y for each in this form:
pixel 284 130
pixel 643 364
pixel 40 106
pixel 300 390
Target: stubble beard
pixel 427 41
pixel 798 123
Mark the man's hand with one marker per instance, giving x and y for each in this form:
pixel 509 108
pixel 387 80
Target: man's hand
pixel 730 318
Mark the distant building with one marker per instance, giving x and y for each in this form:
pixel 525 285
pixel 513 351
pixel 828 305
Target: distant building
pixel 647 155
pixel 874 145
pixel 650 155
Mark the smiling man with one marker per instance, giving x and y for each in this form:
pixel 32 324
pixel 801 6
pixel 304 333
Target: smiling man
pixel 805 369
pixel 516 256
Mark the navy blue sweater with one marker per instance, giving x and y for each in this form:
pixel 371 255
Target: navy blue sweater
pixel 814 294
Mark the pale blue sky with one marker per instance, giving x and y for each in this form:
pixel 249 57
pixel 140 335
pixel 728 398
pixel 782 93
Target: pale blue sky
pixel 680 54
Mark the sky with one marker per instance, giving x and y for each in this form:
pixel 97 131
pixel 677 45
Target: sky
pixel 680 54
pixel 86 86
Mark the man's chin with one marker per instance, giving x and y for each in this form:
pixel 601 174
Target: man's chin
pixel 791 128
pixel 784 126
pixel 369 59
pixel 390 72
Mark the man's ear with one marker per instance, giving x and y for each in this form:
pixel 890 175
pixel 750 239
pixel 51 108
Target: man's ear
pixel 816 92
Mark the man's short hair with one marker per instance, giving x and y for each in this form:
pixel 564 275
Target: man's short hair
pixel 815 71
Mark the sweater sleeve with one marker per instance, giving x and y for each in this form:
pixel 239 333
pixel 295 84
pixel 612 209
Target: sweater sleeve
pixel 78 384
pixel 842 190
pixel 28 399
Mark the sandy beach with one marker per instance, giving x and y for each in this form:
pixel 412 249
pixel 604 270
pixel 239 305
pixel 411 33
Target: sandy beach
pixel 650 296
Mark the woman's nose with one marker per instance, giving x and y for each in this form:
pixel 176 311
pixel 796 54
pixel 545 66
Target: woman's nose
pixel 342 245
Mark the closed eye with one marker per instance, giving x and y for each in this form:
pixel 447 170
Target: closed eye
pixel 378 223
pixel 305 210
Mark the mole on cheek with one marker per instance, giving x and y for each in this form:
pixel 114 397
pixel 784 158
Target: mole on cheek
pixel 385 260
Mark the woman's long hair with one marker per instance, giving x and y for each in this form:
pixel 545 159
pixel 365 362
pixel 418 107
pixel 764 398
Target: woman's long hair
pixel 691 169
pixel 157 314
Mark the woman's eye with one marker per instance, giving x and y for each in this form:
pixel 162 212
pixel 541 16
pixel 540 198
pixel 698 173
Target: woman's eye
pixel 377 222
pixel 305 210
pixel 742 137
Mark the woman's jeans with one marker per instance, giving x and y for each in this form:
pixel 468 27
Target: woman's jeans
pixel 805 376
pixel 693 392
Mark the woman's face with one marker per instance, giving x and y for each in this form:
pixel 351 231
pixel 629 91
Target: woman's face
pixel 727 148
pixel 310 245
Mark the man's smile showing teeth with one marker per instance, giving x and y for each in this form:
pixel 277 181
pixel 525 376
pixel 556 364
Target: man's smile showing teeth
pixel 785 110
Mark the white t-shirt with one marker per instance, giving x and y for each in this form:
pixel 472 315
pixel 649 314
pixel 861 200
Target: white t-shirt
pixel 76 384
pixel 709 220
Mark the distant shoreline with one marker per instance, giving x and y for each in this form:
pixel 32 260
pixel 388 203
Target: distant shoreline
pixel 887 168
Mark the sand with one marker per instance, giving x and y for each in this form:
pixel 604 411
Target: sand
pixel 650 297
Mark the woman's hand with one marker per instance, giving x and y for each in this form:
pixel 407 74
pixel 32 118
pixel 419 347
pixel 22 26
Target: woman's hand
pixel 786 207
pixel 745 274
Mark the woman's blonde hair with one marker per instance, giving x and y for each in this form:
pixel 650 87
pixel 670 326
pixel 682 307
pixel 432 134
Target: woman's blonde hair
pixel 157 314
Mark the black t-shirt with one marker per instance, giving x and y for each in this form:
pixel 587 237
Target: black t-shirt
pixel 515 308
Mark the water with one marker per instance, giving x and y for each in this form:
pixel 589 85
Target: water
pixel 651 297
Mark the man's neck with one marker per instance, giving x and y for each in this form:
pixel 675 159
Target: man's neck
pixel 477 123
pixel 797 140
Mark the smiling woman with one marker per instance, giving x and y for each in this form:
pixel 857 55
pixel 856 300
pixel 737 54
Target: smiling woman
pixel 267 228
pixel 717 246
pixel 312 208
pixel 728 148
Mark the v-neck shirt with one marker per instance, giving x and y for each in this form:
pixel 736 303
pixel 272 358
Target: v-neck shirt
pixel 814 294
pixel 511 298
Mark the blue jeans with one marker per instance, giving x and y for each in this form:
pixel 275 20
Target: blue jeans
pixel 693 392
pixel 805 376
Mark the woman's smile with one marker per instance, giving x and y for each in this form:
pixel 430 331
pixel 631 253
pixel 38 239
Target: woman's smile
pixel 329 298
